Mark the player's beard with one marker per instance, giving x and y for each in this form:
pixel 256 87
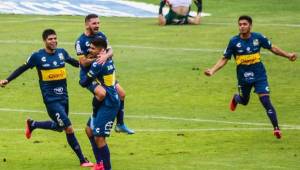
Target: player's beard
pixel 51 47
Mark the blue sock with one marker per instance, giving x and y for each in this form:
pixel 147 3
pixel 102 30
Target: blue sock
pixel 265 100
pixel 94 147
pixel 241 100
pixel 105 155
pixel 120 115
pixel 51 125
pixel 75 146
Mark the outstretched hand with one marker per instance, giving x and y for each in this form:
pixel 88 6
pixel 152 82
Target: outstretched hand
pixel 292 56
pixel 208 72
pixel 3 83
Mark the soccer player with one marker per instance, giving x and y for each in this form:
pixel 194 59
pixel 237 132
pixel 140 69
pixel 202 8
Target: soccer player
pixel 82 49
pixel 102 120
pixel 50 64
pixel 179 12
pixel 245 48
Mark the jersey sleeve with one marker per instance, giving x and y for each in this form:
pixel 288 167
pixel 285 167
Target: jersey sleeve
pixel 79 46
pixel 69 59
pixel 31 61
pixel 229 51
pixel 264 41
pixel 94 70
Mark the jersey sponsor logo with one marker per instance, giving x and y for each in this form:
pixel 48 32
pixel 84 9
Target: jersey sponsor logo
pixel 46 65
pixel 54 74
pixel 109 80
pixel 59 90
pixel 108 127
pixel 247 59
pixel 78 48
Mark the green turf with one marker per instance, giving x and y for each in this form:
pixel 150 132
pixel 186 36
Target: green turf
pixel 155 67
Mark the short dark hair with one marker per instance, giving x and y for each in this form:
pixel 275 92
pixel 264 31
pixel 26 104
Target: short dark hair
pixel 48 32
pixel 99 42
pixel 90 16
pixel 246 17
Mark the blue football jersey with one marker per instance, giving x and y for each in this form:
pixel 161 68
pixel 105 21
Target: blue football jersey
pixel 105 74
pixel 247 56
pixel 82 46
pixel 52 73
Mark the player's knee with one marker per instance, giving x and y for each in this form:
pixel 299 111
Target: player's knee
pixel 88 131
pixel 100 141
pixel 100 93
pixel 69 130
pixel 121 92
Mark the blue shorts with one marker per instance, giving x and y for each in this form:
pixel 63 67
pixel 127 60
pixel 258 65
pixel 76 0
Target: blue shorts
pixel 260 87
pixel 92 86
pixel 102 122
pixel 58 111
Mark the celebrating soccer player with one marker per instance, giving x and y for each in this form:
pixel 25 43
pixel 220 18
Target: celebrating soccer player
pixel 85 59
pixel 50 64
pixel 179 12
pixel 245 48
pixel 103 117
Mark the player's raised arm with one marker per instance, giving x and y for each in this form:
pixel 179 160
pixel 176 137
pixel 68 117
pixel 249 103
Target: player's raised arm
pixel 220 63
pixel 278 51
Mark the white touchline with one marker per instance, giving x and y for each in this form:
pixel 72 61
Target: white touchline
pixel 159 118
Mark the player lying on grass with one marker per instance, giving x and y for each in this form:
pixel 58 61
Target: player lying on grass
pixel 251 72
pixel 92 24
pixel 50 64
pixel 179 12
pixel 101 122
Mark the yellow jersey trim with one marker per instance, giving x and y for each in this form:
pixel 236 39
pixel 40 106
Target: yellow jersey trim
pixel 109 80
pixel 54 74
pixel 247 59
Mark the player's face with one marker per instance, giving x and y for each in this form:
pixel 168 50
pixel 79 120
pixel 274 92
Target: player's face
pixel 244 26
pixel 51 42
pixel 93 25
pixel 95 50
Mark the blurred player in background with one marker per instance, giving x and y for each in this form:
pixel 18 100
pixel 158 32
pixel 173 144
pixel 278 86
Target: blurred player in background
pixel 50 64
pixel 251 72
pixel 103 118
pixel 92 24
pixel 179 12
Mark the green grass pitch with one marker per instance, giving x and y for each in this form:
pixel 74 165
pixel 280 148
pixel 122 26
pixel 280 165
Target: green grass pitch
pixel 182 119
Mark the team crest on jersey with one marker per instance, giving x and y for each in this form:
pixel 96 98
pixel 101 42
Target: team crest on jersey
pixel 43 59
pixel 239 45
pixel 61 56
pixel 255 42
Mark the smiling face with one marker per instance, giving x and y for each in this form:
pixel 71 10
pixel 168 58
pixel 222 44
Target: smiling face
pixel 244 26
pixel 51 42
pixel 92 25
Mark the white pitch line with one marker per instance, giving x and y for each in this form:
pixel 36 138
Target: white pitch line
pixel 172 130
pixel 160 118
